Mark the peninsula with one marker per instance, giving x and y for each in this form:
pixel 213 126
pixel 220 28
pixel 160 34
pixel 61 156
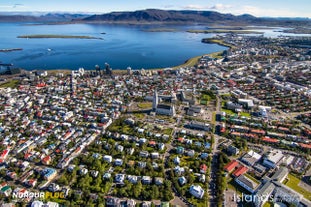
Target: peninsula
pixel 37 36
pixel 225 31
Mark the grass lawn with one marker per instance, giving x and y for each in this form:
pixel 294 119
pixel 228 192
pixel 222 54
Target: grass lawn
pixel 228 112
pixel 203 102
pixel 10 84
pixel 245 114
pixel 167 131
pixel 144 105
pixel 292 181
pixel 213 118
pixel 139 115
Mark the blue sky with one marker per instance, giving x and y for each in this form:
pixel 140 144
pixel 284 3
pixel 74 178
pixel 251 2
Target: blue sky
pixel 274 8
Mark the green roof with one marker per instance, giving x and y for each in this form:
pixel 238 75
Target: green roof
pixel 5 188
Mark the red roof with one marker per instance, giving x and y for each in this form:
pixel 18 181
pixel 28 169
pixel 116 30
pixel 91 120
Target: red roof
pixel 203 167
pixel 308 146
pixel 231 165
pixel 4 153
pixel 240 171
pixel 268 139
pixel 152 143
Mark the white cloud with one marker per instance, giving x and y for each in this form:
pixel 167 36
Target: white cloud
pixel 218 7
pixel 260 12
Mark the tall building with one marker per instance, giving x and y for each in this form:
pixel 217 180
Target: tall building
pixel 155 100
pixel 108 69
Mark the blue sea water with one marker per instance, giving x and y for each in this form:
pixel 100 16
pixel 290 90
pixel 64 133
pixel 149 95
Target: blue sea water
pixel 122 46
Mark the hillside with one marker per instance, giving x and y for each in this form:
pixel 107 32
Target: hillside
pixel 154 15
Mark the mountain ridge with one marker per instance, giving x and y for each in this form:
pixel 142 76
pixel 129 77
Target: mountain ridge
pixel 160 16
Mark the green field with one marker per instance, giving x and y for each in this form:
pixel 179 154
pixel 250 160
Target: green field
pixel 144 105
pixel 228 112
pixel 10 84
pixel 292 181
pixel 245 114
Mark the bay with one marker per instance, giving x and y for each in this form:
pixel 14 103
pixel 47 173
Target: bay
pixel 122 46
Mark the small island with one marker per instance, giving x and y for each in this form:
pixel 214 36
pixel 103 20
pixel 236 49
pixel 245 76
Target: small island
pixel 217 41
pixel 38 36
pixel 225 31
pixel 11 49
pixel 160 30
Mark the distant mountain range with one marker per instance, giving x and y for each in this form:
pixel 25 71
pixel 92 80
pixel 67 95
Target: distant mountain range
pixel 50 17
pixel 160 16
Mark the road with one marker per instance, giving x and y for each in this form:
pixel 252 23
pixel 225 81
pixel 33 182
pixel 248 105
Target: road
pixel 214 165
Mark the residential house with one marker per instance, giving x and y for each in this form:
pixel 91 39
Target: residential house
pixel 197 191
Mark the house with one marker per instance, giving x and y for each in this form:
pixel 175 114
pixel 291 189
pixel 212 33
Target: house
pixel 155 155
pixel 113 202
pixel 107 176
pixel 204 155
pixel 202 178
pixel 232 150
pixel 107 158
pixel 130 151
pixel 176 160
pixel 247 182
pixel 158 181
pixel 180 150
pixel 146 180
pixel 161 146
pixel 94 173
pixel 240 171
pixel 142 164
pixel 83 171
pixel 5 190
pixel 182 180
pixel 71 168
pixel 130 203
pixel 203 168
pixel 53 187
pixel 144 154
pixel 191 153
pixel 179 170
pixel 118 162
pixel 119 148
pixel 119 178
pixel 197 191
pixel 132 179
pixel 46 160
pixel 231 166
pixel 31 182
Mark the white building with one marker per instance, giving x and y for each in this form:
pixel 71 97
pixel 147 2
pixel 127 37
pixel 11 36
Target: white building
pixel 273 159
pixel 197 191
